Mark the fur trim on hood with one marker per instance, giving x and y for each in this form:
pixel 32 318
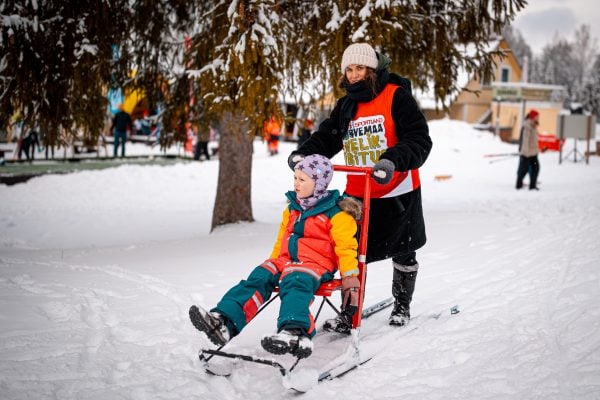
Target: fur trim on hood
pixel 352 206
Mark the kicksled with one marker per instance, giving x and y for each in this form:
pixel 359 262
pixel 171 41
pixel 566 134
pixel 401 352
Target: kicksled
pixel 343 353
pixel 349 354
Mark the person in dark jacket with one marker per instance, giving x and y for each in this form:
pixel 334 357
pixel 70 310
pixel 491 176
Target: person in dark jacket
pixel 28 145
pixel 121 124
pixel 379 124
pixel 202 143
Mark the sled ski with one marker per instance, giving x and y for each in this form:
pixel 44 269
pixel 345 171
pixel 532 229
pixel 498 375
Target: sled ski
pixel 356 359
pixel 375 308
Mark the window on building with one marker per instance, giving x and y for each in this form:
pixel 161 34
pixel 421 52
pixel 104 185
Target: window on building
pixel 505 74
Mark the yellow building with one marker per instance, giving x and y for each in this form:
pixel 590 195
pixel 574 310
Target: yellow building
pixel 473 103
pixel 499 105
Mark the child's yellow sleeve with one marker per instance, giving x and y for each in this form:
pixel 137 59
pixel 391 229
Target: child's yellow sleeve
pixel 282 227
pixel 343 232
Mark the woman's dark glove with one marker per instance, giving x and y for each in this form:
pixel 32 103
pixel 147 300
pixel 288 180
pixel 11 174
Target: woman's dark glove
pixel 383 171
pixel 294 159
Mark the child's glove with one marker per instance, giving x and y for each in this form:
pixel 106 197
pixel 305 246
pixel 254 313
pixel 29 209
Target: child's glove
pixel 294 159
pixel 350 291
pixel 383 171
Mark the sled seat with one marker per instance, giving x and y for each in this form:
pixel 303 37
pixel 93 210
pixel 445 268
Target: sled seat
pixel 326 289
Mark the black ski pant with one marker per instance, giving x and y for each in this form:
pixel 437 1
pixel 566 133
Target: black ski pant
pixel 527 165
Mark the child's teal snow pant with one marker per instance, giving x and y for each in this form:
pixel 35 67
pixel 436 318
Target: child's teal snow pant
pixel 296 290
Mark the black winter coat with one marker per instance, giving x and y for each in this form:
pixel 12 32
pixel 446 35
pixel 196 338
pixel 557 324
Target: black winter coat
pixel 121 122
pixel 396 224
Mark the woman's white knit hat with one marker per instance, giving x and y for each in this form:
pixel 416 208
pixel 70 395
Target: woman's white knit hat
pixel 359 54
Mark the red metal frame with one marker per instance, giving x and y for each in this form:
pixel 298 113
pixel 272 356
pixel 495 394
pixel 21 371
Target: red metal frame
pixel 364 233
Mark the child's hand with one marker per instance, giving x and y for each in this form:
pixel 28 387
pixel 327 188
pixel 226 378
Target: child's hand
pixel 350 289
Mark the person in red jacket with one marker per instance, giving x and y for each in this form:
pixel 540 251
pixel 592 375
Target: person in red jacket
pixel 272 131
pixel 317 236
pixel 379 124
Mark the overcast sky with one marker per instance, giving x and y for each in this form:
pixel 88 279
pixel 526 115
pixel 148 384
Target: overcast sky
pixel 541 20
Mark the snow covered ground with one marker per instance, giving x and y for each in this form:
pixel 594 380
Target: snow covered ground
pixel 98 270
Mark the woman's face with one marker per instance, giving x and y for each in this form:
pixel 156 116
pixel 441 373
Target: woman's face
pixel 355 73
pixel 304 186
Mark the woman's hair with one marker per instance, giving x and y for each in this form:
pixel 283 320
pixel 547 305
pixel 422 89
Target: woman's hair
pixel 370 79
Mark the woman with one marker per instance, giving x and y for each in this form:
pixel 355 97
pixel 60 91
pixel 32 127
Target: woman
pixel 378 123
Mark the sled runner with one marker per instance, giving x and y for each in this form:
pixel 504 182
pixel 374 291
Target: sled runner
pixel 352 356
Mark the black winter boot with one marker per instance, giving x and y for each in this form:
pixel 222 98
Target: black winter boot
pixel 342 323
pixel 289 340
pixel 212 324
pixel 403 286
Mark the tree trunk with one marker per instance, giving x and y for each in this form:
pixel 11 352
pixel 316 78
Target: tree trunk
pixel 233 202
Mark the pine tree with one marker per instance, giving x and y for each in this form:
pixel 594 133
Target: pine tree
pixel 56 61
pixel 238 50
pixel 245 50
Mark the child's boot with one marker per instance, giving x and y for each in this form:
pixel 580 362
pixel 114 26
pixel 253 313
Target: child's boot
pixel 337 324
pixel 342 323
pixel 213 324
pixel 289 340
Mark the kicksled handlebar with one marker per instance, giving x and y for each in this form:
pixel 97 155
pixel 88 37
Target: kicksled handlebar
pixel 364 234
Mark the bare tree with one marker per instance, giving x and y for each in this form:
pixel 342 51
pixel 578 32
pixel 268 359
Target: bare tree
pixel 568 63
pixel 590 94
pixel 585 49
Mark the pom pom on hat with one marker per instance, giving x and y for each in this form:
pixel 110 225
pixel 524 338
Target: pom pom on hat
pixel 359 54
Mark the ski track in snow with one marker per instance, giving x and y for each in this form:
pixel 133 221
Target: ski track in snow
pixel 109 320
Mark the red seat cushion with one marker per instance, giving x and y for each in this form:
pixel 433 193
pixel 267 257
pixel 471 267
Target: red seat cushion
pixel 326 289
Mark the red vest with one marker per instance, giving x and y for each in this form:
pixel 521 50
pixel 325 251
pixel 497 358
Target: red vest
pixel 369 135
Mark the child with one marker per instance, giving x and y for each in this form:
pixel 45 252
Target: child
pixel 316 236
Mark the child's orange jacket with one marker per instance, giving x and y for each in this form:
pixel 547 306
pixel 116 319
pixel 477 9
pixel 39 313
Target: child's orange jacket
pixel 319 240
